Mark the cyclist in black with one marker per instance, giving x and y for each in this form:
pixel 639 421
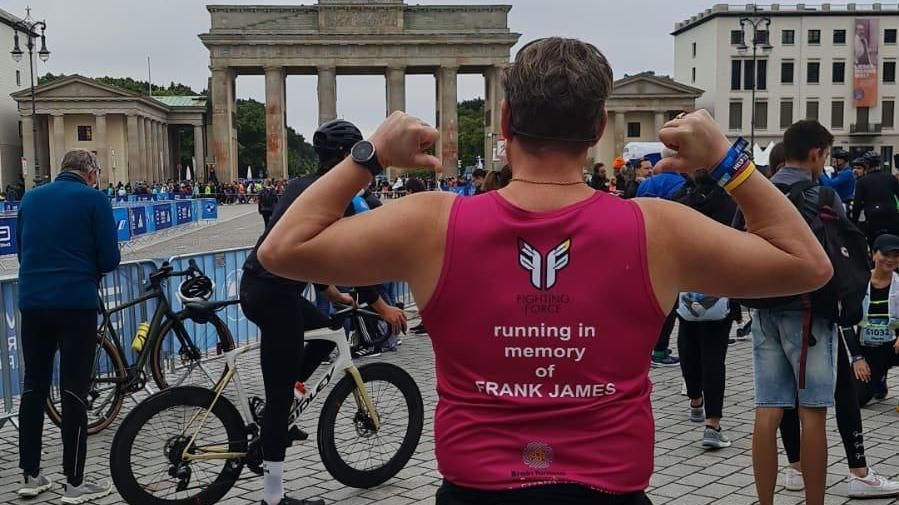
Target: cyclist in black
pixel 277 306
pixel 877 195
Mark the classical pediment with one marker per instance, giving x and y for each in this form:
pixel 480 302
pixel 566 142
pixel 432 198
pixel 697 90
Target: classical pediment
pixel 76 87
pixel 648 85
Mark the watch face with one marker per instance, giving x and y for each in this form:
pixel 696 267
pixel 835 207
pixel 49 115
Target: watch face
pixel 363 151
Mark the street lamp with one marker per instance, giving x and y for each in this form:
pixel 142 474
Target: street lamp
pixel 758 24
pixel 27 26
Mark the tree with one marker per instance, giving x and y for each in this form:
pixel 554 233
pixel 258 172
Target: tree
pixel 471 131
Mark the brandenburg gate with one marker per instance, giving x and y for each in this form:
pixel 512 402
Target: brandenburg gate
pixel 353 37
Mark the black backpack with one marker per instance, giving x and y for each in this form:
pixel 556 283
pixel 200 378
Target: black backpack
pixel 841 299
pixel 267 199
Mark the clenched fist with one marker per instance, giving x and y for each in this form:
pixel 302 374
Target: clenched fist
pixel 697 141
pixel 400 142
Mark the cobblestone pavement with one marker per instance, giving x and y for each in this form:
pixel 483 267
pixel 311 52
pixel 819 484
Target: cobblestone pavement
pixel 684 473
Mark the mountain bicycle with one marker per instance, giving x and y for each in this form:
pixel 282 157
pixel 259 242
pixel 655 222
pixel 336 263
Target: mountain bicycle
pixel 114 378
pixel 188 445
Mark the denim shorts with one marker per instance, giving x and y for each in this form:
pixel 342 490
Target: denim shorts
pixel 776 347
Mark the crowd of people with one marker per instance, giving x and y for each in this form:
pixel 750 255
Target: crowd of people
pixel 564 352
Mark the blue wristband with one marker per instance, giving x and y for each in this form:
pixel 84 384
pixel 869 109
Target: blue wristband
pixel 730 161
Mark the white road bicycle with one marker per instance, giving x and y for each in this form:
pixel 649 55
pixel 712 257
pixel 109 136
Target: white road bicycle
pixel 188 445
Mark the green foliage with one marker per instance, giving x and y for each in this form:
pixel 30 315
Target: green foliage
pixel 129 84
pixel 471 131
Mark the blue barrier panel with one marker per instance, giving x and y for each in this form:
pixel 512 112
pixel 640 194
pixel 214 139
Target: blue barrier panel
pixel 184 211
pixel 210 209
pixel 123 224
pixel 162 216
pixel 138 220
pixel 11 372
pixel 11 206
pixel 8 235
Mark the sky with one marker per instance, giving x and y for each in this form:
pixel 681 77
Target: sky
pixel 115 37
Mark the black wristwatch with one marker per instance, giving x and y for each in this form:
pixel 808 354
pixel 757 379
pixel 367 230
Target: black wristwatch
pixel 857 358
pixel 364 154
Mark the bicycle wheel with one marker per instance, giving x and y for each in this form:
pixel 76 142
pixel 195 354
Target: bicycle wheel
pixel 145 457
pixel 178 369
pixel 104 395
pixel 351 449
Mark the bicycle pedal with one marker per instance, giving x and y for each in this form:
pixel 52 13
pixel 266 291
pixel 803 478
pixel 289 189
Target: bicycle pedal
pixel 295 434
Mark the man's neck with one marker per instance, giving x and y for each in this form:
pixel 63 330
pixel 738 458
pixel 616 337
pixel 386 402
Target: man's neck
pixel 882 277
pixel 805 166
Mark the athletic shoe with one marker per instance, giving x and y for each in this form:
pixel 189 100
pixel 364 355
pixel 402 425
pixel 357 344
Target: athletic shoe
pixel 33 486
pixel 87 491
pixel 664 359
pixel 873 485
pixel 793 480
pixel 697 414
pixel 293 501
pixel 714 439
pixel 365 353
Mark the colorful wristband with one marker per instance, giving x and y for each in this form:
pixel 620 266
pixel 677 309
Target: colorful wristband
pixel 740 177
pixel 729 162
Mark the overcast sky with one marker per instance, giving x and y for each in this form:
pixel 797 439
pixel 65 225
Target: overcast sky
pixel 114 37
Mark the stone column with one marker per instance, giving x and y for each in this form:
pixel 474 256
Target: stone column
pixel 275 123
pixel 396 89
pixel 199 150
pixel 59 144
pixel 449 128
pixel 619 133
pixel 155 162
pixel 102 148
pixel 493 114
pixel 28 149
pixel 223 123
pixel 327 94
pixel 139 156
pixel 149 170
pixel 131 160
pixel 659 120
pixel 166 154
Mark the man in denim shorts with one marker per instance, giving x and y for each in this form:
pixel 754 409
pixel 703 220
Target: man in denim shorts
pixel 777 341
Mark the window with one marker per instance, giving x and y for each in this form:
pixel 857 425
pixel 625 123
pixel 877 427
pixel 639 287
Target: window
pixel 786 72
pixel 18 78
pixel 788 37
pixel 694 49
pixel 888 109
pixel 889 71
pixel 889 36
pixel 693 72
pixel 736 67
pixel 886 156
pixel 748 74
pixel 839 72
pixel 736 37
pixel 861 115
pixel 786 113
pixel 814 36
pixel 761 74
pixel 633 129
pixel 735 121
pixel 85 134
pixel 813 74
pixel 811 110
pixel 761 115
pixel 836 114
pixel 839 37
pixel 761 37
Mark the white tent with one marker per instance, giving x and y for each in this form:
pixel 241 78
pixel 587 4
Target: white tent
pixel 249 172
pixel 187 173
pixel 760 156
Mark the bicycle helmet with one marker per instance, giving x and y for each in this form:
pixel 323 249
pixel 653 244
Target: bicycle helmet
pixel 872 158
pixel 196 289
pixel 335 137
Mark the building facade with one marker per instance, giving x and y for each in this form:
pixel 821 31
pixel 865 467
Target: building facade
pixel 14 76
pixel 135 137
pixel 833 63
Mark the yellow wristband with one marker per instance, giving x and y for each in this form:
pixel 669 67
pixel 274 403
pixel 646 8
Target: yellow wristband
pixel 740 178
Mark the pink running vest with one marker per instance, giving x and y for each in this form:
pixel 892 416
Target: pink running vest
pixel 543 324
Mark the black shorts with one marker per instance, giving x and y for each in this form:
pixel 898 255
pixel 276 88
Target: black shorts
pixel 555 494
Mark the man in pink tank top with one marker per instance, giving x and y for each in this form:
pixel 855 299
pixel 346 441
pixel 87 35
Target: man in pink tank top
pixel 543 387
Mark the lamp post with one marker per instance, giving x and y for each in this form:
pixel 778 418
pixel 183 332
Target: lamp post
pixel 759 23
pixel 27 26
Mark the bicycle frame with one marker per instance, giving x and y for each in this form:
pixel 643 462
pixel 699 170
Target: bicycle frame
pixel 343 362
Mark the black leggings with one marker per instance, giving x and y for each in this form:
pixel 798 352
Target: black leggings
pixel 880 359
pixel 74 333
pixel 665 335
pixel 849 419
pixel 554 494
pixel 282 315
pixel 703 347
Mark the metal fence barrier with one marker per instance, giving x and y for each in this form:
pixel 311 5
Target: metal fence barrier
pixel 127 282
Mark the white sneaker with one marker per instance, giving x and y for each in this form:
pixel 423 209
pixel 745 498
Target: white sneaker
pixel 871 486
pixel 89 490
pixel 33 486
pixel 793 480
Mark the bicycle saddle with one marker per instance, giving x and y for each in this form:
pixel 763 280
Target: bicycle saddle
pixel 209 306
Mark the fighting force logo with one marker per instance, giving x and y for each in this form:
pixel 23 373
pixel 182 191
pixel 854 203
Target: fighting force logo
pixel 544 269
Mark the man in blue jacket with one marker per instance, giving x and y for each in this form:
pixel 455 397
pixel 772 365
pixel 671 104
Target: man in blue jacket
pixel 843 180
pixel 66 241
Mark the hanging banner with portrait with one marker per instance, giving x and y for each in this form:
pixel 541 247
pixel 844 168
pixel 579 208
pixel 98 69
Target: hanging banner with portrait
pixel 865 62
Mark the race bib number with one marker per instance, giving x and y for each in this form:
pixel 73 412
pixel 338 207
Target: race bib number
pixel 877 333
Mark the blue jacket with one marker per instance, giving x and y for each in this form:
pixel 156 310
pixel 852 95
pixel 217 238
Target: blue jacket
pixel 66 240
pixel 664 185
pixel 843 183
